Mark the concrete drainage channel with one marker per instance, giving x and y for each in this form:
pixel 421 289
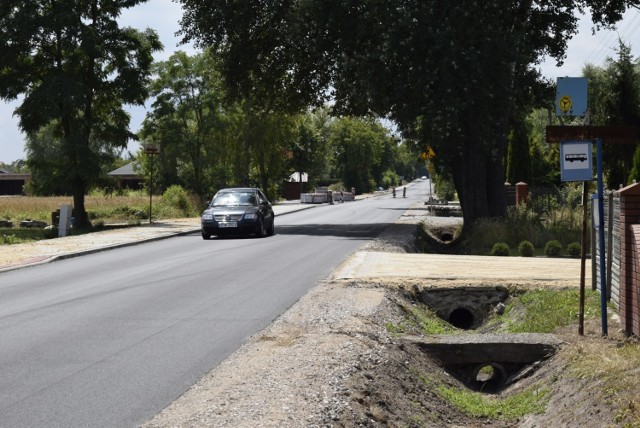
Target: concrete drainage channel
pixel 483 362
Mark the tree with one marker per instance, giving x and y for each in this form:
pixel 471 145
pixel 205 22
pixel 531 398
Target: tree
pixel 310 150
pixel 359 146
pixel 76 68
pixel 518 154
pixel 450 73
pixel 614 100
pixel 269 138
pixel 188 121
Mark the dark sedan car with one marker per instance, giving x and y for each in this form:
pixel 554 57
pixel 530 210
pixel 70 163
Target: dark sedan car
pixel 238 211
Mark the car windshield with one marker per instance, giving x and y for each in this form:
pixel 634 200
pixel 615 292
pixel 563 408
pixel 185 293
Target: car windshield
pixel 234 199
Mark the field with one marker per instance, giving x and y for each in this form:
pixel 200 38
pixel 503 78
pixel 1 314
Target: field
pixel 132 208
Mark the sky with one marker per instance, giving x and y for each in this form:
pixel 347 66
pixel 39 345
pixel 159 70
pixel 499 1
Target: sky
pixel 164 16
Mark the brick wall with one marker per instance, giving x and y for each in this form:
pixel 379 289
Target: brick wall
pixel 630 259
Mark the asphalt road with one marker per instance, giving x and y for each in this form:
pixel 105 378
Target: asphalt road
pixel 110 339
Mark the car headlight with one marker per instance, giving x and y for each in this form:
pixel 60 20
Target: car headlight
pixel 250 216
pixel 207 216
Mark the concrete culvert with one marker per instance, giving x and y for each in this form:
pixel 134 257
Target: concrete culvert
pixel 462 318
pixel 489 377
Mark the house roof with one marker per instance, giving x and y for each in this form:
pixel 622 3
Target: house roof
pixel 128 169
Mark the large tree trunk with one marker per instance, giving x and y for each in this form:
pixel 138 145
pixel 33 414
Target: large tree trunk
pixel 479 180
pixel 81 219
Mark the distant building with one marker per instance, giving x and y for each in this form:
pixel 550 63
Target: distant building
pixel 126 177
pixel 12 183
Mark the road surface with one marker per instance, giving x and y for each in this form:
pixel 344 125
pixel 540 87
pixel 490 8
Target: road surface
pixel 110 339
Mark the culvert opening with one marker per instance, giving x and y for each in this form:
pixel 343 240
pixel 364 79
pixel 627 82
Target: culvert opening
pixel 446 237
pixel 466 308
pixel 462 318
pixel 488 377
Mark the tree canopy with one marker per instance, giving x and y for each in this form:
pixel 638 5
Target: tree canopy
pixel 450 74
pixel 76 68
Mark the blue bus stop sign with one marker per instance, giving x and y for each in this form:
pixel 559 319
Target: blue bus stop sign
pixel 575 161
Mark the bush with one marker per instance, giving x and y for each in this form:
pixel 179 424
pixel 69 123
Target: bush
pixel 177 198
pixel 552 248
pixel 525 249
pixel 573 249
pixel 444 187
pixel 500 249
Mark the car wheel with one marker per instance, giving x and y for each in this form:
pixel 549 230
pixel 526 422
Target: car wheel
pixel 206 236
pixel 272 228
pixel 260 230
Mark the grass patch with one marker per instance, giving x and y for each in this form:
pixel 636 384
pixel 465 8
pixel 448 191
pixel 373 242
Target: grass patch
pixel 420 319
pixel 20 235
pixel 129 209
pixel 613 367
pixel 542 311
pixel 478 405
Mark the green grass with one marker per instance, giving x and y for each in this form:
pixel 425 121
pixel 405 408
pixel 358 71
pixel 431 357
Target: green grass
pixel 420 317
pixel 10 236
pixel 512 408
pixel 542 311
pixel 131 209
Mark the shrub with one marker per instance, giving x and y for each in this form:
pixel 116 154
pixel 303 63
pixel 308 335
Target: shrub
pixel 177 198
pixel 552 248
pixel 444 187
pixel 500 249
pixel 573 249
pixel 525 249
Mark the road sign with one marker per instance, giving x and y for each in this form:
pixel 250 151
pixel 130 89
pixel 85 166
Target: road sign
pixel 565 104
pixel 430 153
pixel 152 149
pixel 575 161
pixel 571 96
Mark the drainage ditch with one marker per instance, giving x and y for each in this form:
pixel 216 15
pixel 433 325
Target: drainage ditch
pixel 483 362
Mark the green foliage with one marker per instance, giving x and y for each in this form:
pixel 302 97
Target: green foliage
pixel 543 311
pixel 373 56
pixel 177 198
pixel 553 248
pixel 500 249
pixel 359 145
pixel 573 249
pixel 76 68
pixel 444 187
pixel 525 249
pixel 478 405
pixel 614 99
pixel 420 318
pixel 561 222
pixel 634 174
pixel 389 179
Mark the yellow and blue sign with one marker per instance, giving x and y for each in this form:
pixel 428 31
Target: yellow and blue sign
pixel 571 96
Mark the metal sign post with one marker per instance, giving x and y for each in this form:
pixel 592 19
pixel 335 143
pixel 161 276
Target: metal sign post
pixel 151 150
pixel 603 273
